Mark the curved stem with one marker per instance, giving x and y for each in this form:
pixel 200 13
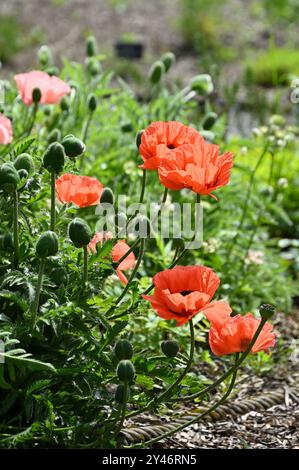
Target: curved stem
pixel 86 127
pixel 35 109
pixel 53 207
pixel 123 410
pixel 38 291
pixel 85 265
pixel 16 228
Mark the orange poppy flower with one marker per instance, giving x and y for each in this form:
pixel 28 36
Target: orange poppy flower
pixel 160 137
pixel 197 167
pixel 99 237
pixel 52 88
pixel 83 191
pixel 118 251
pixel 182 292
pixel 229 335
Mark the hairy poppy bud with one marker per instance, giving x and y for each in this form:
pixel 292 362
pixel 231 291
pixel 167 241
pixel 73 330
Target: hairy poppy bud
pixel 65 103
pixel 80 232
pixel 93 66
pixel 9 177
pixel 125 371
pixel 202 84
pixel 24 162
pixel 44 55
pixel 267 311
pixel 123 349
pixel 6 242
pixel 156 72
pixel 209 120
pixel 52 71
pixel 122 394
pixel 47 245
pixel 168 60
pixel 36 95
pixel 59 276
pixel 54 136
pixel 91 46
pixel 73 146
pixel 138 138
pixel 170 347
pixel 54 158
pixel 23 174
pixel 107 197
pixel 92 103
pixel 127 127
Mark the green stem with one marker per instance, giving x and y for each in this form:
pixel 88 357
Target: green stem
pixel 38 291
pixel 85 265
pixel 16 228
pixel 86 127
pixel 123 410
pixel 53 206
pixel 143 184
pixel 35 109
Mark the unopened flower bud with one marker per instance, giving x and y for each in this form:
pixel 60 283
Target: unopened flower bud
pixel 65 103
pixel 52 71
pixel 267 311
pixel 107 197
pixel 36 95
pixel 170 348
pixel 209 120
pixel 138 138
pixel 73 146
pixel 79 232
pixel 127 127
pixel 47 245
pixel 202 84
pixel 23 174
pixel 122 394
pixel 123 349
pixel 54 136
pixel 54 158
pixel 44 55
pixel 91 46
pixel 156 72
pixel 168 60
pixel 24 162
pixel 59 276
pixel 125 371
pixel 9 178
pixel 6 242
pixel 92 103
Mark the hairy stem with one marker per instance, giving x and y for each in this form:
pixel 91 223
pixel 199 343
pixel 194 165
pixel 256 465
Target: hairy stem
pixel 16 228
pixel 53 207
pixel 38 291
pixel 85 265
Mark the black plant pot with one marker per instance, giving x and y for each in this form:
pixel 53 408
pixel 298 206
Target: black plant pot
pixel 129 50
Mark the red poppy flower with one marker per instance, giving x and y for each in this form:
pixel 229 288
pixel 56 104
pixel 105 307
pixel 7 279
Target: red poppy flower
pixel 233 334
pixel 197 167
pixel 182 292
pixel 52 88
pixel 118 251
pixel 160 137
pixel 83 191
pixel 99 237
pixel 5 130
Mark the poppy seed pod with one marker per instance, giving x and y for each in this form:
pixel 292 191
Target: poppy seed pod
pixel 79 232
pixel 168 60
pixel 24 162
pixel 125 371
pixel 170 348
pixel 91 46
pixel 59 276
pixel 202 84
pixel 54 158
pixel 6 242
pixel 92 103
pixel 54 136
pixel 93 66
pixel 209 120
pixel 44 55
pixel 123 349
pixel 36 95
pixel 122 394
pixel 23 174
pixel 9 177
pixel 127 127
pixel 47 245
pixel 73 146
pixel 156 72
pixel 65 103
pixel 138 138
pixel 267 311
pixel 107 197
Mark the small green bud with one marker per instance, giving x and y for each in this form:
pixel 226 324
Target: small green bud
pixel 36 95
pixel 47 245
pixel 6 242
pixel 24 162
pixel 123 349
pixel 54 136
pixel 122 394
pixel 127 127
pixel 91 46
pixel 54 158
pixel 44 55
pixel 202 84
pixel 170 348
pixel 73 146
pixel 65 103
pixel 138 138
pixel 79 232
pixel 277 120
pixel 267 311
pixel 52 71
pixel 107 196
pixel 209 120
pixel 168 60
pixel 23 174
pixel 93 66
pixel 9 178
pixel 59 276
pixel 156 72
pixel 125 371
pixel 92 103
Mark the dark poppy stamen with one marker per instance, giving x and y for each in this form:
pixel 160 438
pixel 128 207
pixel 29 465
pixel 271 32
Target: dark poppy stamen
pixel 170 147
pixel 185 292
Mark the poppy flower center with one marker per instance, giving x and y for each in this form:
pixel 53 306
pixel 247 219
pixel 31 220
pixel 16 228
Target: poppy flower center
pixel 170 146
pixel 185 292
pixel 244 344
